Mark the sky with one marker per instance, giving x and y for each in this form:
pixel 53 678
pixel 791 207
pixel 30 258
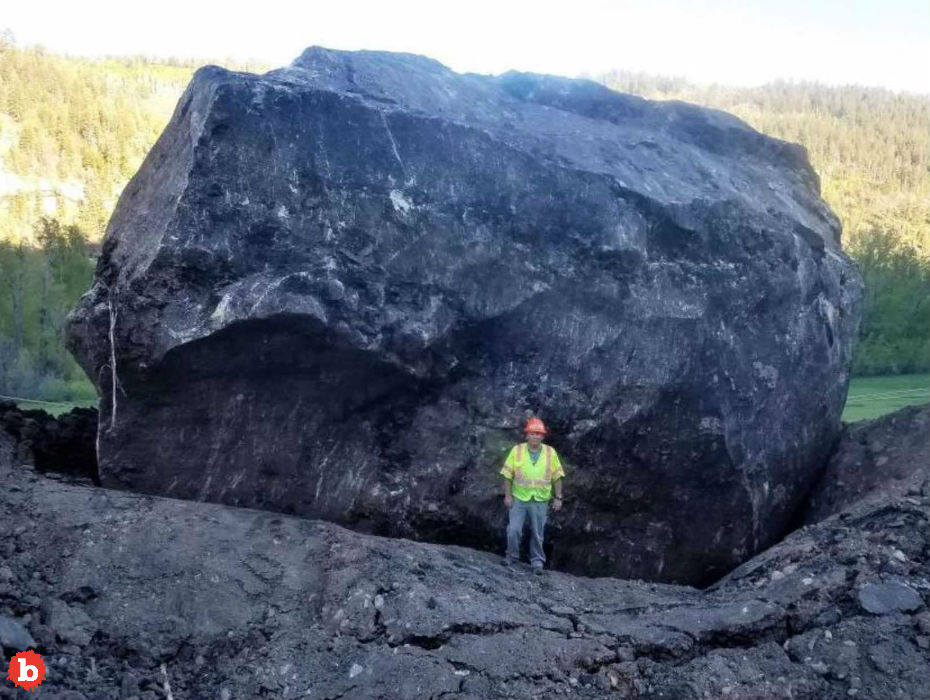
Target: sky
pixel 749 42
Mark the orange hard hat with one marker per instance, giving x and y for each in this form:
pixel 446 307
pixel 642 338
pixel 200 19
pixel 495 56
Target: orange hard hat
pixel 534 425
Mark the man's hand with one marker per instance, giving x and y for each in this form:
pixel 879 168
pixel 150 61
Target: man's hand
pixel 508 500
pixel 556 504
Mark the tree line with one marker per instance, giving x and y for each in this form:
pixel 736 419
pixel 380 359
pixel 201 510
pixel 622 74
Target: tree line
pixel 74 130
pixel 39 285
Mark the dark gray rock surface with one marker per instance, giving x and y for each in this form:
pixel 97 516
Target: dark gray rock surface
pixel 338 289
pixel 13 636
pixel 889 456
pixel 127 595
pixel 883 598
pixel 64 444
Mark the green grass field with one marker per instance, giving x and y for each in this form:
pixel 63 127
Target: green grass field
pixel 871 397
pixel 53 407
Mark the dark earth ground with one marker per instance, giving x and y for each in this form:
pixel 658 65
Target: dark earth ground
pixel 131 596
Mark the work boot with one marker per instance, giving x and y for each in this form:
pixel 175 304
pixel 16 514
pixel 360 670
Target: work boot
pixel 538 569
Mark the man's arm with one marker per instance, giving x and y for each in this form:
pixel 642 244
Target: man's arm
pixel 507 473
pixel 557 488
pixel 557 478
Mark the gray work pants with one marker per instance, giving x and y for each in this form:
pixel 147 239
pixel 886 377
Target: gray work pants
pixel 520 512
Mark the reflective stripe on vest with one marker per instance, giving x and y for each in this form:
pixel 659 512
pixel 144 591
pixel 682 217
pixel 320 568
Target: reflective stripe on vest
pixel 526 482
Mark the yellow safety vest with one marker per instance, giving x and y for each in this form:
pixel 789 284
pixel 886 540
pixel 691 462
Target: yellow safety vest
pixel 532 481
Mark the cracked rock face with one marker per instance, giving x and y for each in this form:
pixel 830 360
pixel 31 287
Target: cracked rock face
pixel 222 602
pixel 337 290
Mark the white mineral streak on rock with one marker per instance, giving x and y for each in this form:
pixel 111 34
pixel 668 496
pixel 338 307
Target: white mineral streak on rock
pixel 400 202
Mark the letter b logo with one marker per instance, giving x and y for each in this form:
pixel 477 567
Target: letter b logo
pixel 27 670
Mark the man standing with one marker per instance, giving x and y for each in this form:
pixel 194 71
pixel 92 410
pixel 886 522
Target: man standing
pixel 531 472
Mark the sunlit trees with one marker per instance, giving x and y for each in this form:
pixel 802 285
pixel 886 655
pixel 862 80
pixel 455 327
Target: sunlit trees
pixel 38 287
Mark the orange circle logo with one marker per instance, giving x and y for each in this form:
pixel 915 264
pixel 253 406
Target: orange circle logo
pixel 27 670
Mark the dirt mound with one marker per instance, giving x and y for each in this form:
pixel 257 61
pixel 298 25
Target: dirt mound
pixel 877 459
pixel 62 445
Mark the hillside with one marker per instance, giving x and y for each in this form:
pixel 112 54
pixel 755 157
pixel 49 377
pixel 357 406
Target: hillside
pixel 74 130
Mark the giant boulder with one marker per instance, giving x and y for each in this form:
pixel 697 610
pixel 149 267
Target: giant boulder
pixel 338 289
